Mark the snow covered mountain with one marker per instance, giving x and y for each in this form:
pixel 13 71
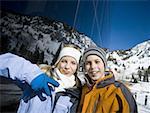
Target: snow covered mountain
pixel 37 38
pixel 128 63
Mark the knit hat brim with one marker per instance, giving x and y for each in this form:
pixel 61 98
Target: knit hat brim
pixel 69 51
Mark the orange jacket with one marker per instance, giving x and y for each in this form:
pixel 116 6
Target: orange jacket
pixel 107 96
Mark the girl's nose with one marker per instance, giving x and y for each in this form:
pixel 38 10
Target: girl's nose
pixel 67 65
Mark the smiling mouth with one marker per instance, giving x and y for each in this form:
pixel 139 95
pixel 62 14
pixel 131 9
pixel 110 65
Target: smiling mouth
pixel 66 71
pixel 94 72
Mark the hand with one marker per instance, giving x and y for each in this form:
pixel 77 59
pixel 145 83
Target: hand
pixel 29 93
pixel 43 83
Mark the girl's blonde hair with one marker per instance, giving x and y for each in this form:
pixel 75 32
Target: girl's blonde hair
pixel 47 69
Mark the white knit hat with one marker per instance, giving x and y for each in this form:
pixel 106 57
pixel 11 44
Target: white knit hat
pixel 69 51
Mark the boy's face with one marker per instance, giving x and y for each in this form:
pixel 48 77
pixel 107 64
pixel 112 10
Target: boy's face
pixel 94 67
pixel 67 66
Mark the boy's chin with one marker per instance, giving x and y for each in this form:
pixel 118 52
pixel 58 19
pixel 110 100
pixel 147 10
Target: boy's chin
pixel 95 77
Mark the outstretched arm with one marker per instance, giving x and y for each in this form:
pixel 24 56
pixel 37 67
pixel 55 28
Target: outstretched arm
pixel 18 68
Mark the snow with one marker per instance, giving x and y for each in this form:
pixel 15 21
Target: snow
pixel 140 90
pixel 128 64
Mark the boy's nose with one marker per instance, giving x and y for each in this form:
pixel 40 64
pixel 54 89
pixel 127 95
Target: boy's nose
pixel 92 65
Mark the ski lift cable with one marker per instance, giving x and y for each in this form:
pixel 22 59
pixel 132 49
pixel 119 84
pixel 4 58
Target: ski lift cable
pixel 76 13
pixel 97 23
pixel 100 27
pixel 102 11
pixel 103 15
pixel 93 22
pixel 106 16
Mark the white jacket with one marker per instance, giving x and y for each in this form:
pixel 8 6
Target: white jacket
pixel 19 67
pixel 24 70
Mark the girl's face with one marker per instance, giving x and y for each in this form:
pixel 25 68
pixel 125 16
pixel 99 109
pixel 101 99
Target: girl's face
pixel 67 65
pixel 94 67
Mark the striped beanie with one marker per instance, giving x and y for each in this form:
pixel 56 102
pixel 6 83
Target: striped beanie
pixel 95 51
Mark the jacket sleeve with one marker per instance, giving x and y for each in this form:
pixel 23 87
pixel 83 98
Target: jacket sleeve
pixel 125 99
pixel 129 98
pixel 15 67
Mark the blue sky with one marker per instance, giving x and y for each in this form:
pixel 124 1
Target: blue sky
pixel 129 21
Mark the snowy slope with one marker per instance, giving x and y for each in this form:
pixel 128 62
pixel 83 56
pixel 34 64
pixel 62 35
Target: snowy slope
pixel 141 92
pixel 127 63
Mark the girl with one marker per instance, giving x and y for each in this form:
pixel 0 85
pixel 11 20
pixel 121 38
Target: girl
pixel 65 97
